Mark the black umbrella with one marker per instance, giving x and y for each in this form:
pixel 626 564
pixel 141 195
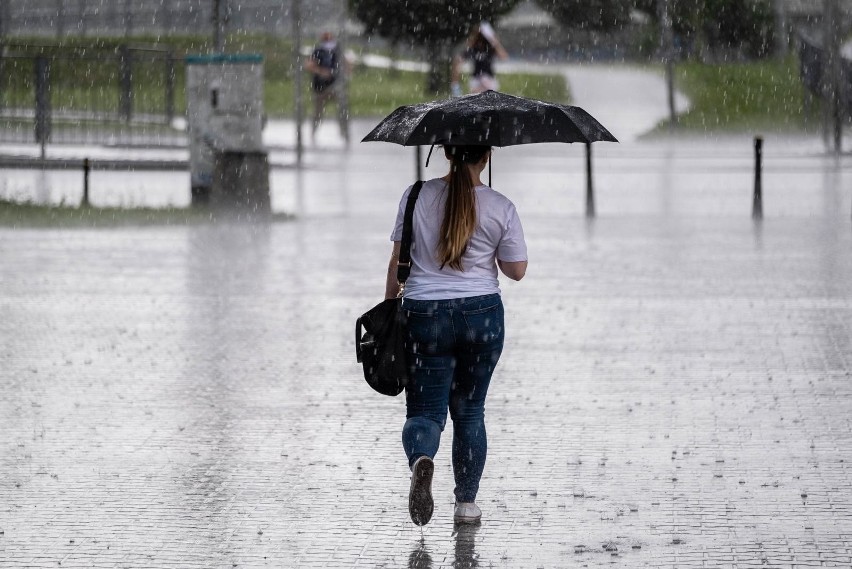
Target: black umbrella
pixel 492 119
pixel 489 119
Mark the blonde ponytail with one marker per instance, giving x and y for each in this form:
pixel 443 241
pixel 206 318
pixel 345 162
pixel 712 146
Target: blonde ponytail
pixel 459 220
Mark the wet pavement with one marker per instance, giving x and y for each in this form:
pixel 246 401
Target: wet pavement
pixel 675 391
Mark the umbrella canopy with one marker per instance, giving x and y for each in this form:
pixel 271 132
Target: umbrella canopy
pixel 489 119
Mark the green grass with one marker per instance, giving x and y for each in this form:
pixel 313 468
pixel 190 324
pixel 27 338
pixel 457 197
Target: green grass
pixel 765 95
pixel 28 214
pixel 376 92
pixel 373 92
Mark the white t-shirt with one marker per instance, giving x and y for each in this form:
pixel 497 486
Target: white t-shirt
pixel 498 235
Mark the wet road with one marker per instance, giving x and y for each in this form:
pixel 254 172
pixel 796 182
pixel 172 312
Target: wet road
pixel 675 392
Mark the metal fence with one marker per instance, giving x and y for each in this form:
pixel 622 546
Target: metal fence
pixel 91 18
pixel 117 95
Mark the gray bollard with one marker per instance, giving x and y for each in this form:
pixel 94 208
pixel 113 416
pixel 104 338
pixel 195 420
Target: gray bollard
pixel 590 191
pixel 757 201
pixel 86 167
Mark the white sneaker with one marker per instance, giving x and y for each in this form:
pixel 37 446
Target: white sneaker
pixel 467 513
pixel 420 504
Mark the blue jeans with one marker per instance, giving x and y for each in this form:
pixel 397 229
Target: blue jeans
pixel 453 347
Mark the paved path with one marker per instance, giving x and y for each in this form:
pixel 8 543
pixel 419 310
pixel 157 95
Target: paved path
pixel 603 90
pixel 675 391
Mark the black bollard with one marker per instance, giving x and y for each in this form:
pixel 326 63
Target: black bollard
pixel 757 202
pixel 590 192
pixel 86 167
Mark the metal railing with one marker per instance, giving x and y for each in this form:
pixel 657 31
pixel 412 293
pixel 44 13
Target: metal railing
pixel 115 95
pixel 111 18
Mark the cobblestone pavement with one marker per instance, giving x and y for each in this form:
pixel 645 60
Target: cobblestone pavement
pixel 675 391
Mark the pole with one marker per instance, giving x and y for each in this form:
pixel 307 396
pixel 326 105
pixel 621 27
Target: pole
pixel 832 118
pixel 343 96
pixel 126 78
pixel 757 200
pixel 667 41
pixel 81 18
pixel 170 85
pixel 128 18
pixel 590 190
pixel 167 17
pixel 60 19
pixel 296 14
pixel 217 26
pixel 418 159
pixel 86 166
pixel 782 38
pixel 42 100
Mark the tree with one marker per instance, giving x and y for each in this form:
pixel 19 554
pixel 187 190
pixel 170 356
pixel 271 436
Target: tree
pixel 745 25
pixel 594 15
pixel 433 24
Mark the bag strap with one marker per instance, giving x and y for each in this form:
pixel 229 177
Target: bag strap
pixel 358 335
pixel 403 266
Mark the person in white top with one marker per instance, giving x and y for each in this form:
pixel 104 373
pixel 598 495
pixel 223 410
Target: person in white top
pixel 462 232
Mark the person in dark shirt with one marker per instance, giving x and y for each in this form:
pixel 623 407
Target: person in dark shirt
pixel 327 65
pixel 481 48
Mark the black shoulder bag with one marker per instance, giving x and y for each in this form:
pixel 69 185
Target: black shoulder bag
pixel 380 332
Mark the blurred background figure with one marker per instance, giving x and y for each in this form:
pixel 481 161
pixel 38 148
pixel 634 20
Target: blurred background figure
pixel 329 68
pixel 481 48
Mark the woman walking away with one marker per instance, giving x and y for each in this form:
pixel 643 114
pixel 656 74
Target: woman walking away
pixel 481 48
pixel 463 231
